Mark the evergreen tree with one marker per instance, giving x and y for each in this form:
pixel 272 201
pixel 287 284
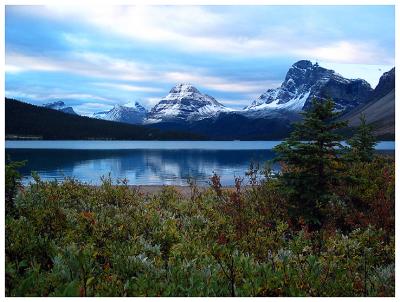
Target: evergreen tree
pixel 362 144
pixel 311 161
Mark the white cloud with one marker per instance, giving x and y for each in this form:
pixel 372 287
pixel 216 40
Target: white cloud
pixel 217 83
pixel 199 29
pixel 128 87
pixel 354 52
pixel 101 66
pixel 76 40
pixel 77 96
pixel 82 63
pixel 150 23
pixel 16 62
pixel 23 95
pixel 12 68
pixel 40 98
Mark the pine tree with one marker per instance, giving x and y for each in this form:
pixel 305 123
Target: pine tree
pixel 311 161
pixel 362 144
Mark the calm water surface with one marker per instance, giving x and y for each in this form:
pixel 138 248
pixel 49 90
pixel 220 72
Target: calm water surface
pixel 143 162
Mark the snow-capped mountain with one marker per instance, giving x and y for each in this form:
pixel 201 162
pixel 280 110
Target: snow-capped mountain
pixel 185 103
pixel 60 106
pixel 124 114
pixel 305 81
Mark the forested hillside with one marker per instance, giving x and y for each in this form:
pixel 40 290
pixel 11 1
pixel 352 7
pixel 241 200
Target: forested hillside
pixel 26 120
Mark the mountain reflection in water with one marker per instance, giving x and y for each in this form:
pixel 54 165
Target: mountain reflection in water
pixel 140 167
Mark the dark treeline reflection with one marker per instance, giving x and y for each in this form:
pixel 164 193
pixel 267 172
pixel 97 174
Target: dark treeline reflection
pixel 140 167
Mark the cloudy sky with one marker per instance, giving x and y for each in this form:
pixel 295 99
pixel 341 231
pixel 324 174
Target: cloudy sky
pixel 95 57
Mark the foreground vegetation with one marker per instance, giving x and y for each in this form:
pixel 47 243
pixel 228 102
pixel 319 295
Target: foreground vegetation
pixel 284 235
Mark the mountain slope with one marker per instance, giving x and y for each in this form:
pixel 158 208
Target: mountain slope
pixel 380 110
pixel 124 114
pixel 60 106
pixel 185 103
pixel 386 84
pixel 305 81
pixel 24 120
pixel 380 114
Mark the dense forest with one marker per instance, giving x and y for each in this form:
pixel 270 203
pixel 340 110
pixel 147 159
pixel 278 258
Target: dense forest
pixel 231 126
pixel 28 121
pixel 322 226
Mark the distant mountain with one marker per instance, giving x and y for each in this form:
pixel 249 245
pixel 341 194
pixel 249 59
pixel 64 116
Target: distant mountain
pixel 305 81
pixel 185 103
pixel 26 120
pixel 60 106
pixel 380 109
pixel 124 114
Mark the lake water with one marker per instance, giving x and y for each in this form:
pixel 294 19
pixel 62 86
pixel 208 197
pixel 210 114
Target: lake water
pixel 144 162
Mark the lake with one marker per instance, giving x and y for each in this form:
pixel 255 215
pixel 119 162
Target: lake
pixel 144 162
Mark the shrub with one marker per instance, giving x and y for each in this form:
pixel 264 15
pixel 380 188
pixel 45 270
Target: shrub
pixel 71 239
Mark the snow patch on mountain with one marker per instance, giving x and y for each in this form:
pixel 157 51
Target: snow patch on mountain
pixel 295 104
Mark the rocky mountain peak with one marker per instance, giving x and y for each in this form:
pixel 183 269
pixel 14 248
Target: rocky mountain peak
pixel 124 114
pixel 184 88
pixel 304 72
pixel 305 81
pixel 139 107
pixel 303 64
pixel 185 102
pixel 136 106
pixel 60 106
pixel 54 105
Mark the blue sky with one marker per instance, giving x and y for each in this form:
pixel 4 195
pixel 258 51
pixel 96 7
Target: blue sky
pixel 95 57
